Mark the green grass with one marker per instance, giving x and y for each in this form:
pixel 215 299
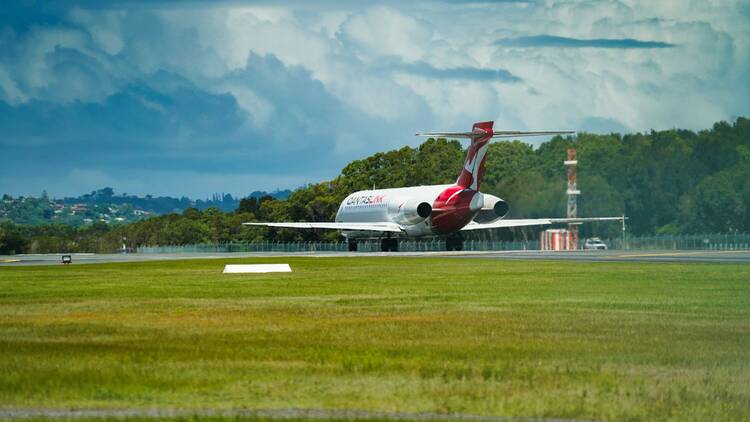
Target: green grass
pixel 615 341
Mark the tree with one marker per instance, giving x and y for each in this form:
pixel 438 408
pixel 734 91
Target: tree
pixel 185 232
pixel 12 239
pixel 248 205
pixel 192 213
pixel 718 204
pixel 505 161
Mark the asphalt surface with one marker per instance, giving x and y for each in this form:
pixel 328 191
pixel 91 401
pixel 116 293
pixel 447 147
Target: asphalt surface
pixel 741 256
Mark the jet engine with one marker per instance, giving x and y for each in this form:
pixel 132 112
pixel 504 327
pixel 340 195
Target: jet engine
pixel 412 212
pixel 494 209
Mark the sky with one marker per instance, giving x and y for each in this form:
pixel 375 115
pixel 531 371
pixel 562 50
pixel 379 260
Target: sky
pixel 191 98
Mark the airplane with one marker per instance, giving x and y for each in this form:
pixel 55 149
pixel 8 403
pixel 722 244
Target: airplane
pixel 437 210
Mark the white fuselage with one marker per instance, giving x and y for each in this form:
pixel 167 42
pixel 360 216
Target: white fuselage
pixel 388 205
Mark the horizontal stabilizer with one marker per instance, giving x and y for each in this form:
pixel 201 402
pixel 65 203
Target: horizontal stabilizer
pixel 512 133
pixel 374 227
pixel 536 222
pixel 495 134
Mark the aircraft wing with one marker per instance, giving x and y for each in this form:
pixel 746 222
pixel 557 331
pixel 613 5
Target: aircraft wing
pixel 375 227
pixel 535 222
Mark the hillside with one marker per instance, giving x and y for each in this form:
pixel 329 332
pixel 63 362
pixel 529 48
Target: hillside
pixel 103 205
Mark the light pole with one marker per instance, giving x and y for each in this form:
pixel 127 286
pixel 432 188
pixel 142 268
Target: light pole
pixel 573 192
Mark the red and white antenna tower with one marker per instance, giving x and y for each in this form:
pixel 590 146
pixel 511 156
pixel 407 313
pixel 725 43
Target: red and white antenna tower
pixel 573 193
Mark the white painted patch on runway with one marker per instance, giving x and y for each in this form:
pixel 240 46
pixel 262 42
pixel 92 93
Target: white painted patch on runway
pixel 257 268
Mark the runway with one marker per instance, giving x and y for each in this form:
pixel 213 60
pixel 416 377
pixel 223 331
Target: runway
pixel 739 256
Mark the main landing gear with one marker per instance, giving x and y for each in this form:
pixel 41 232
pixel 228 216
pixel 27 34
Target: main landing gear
pixel 454 242
pixel 389 244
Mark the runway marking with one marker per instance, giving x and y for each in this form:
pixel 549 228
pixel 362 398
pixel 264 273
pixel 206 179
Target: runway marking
pixel 646 255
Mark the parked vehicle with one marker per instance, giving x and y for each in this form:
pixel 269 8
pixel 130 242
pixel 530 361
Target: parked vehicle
pixel 595 243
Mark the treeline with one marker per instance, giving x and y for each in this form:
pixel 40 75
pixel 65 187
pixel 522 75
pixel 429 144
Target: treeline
pixel 665 182
pixel 165 204
pixel 189 227
pixel 106 206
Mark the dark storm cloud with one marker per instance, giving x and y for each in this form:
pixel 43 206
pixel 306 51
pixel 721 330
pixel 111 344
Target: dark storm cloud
pixel 20 15
pixel 145 125
pixel 165 122
pixel 162 102
pixel 565 42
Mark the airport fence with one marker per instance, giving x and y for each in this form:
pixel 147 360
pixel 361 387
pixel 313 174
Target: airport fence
pixel 731 241
pixel 363 246
pixel 248 247
pixel 716 241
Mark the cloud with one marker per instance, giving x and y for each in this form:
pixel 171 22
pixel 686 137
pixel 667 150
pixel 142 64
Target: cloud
pixel 564 42
pixel 601 125
pixel 466 73
pixel 163 123
pixel 385 31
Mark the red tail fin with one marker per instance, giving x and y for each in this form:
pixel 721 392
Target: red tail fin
pixel 473 170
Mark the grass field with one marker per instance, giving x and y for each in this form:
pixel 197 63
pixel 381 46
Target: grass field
pixel 611 341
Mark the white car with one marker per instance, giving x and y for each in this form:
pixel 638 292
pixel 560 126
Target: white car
pixel 595 243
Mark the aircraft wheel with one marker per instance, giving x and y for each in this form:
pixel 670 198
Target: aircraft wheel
pixel 352 246
pixel 451 244
pixel 389 245
pixel 454 243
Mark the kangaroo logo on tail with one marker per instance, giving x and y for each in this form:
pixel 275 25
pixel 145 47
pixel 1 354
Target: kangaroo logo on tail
pixel 473 169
